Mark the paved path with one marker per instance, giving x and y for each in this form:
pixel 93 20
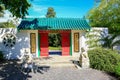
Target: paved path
pixel 70 74
pixel 10 71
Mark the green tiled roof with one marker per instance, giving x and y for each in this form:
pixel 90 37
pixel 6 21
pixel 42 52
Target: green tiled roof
pixel 54 24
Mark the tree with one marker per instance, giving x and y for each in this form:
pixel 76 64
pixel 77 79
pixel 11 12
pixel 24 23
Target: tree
pixel 50 13
pixel 110 41
pixel 106 14
pixel 7 25
pixel 54 40
pixel 2 8
pixel 18 8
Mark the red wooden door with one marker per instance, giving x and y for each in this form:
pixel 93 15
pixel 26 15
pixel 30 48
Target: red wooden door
pixel 43 44
pixel 65 37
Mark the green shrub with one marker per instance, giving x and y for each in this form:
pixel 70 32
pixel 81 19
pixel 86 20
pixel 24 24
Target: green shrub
pixel 1 56
pixel 117 69
pixel 103 59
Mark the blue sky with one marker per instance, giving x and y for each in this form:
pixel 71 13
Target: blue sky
pixel 63 8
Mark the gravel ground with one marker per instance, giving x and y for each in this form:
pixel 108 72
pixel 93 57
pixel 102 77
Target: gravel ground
pixel 10 71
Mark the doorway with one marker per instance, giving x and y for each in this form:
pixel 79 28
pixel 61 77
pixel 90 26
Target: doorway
pixel 58 44
pixel 54 44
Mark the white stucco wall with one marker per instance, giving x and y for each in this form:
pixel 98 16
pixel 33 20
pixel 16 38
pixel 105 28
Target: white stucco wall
pixel 22 41
pixel 81 41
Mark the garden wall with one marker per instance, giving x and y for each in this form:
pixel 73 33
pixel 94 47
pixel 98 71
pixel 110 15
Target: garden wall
pixel 93 37
pixel 12 42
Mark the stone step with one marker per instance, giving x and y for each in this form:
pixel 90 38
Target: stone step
pixel 58 64
pixel 57 61
pixel 58 58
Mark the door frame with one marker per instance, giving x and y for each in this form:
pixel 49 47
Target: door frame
pixel 59 31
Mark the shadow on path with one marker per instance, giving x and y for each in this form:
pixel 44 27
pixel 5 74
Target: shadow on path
pixel 10 70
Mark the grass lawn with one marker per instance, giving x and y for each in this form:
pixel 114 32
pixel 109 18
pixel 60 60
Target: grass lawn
pixel 54 48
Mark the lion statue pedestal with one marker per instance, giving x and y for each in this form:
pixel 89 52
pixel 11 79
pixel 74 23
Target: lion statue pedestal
pixel 84 59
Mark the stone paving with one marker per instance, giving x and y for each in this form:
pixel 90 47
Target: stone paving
pixel 71 74
pixel 10 71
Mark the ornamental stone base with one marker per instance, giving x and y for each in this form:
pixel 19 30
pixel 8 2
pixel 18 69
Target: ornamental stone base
pixel 84 60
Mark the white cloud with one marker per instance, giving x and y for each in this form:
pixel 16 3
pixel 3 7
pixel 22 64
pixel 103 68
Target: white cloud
pixel 6 17
pixel 40 0
pixel 42 16
pixel 30 16
pixel 38 8
pixel 3 20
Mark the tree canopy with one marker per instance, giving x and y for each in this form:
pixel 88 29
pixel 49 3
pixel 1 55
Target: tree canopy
pixel 2 8
pixel 51 13
pixel 18 8
pixel 7 25
pixel 106 14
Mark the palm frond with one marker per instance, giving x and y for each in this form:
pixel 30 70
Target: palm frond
pixel 108 41
pixel 116 43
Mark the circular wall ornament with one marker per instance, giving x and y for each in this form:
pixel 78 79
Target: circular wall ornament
pixel 9 40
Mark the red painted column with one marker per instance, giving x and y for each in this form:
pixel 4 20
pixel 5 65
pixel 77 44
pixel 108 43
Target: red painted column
pixel 44 43
pixel 65 38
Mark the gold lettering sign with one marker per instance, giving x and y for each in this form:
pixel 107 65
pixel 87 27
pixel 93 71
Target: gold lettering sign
pixel 76 42
pixel 33 42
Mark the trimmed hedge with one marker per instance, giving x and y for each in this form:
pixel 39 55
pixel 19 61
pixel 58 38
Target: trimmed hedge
pixel 117 69
pixel 103 59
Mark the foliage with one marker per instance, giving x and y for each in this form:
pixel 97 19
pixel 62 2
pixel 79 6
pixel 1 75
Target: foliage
pixel 106 14
pixel 2 8
pixel 54 40
pixel 17 7
pixel 117 69
pixel 103 59
pixel 55 48
pixel 7 25
pixel 93 38
pixel 1 56
pixel 109 41
pixel 50 13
